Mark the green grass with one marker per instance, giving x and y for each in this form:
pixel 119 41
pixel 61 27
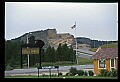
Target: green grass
pixel 93 49
pixel 113 45
pixel 83 61
pixel 61 77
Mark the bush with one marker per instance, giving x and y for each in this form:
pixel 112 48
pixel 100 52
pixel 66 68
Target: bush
pixel 54 75
pixel 85 73
pixel 67 74
pixel 44 75
pixel 114 72
pixel 60 73
pixel 104 72
pixel 73 70
pixel 80 72
pixel 90 73
pixel 9 67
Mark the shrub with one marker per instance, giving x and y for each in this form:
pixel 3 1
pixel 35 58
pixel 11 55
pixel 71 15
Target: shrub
pixel 44 75
pixel 54 75
pixel 114 72
pixel 80 72
pixel 90 73
pixel 67 74
pixel 85 73
pixel 60 73
pixel 104 72
pixel 73 70
pixel 9 67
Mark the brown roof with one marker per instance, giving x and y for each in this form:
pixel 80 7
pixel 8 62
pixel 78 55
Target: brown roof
pixel 106 53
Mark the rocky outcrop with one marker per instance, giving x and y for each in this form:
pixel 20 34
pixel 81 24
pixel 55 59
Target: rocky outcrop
pixel 55 40
pixel 49 36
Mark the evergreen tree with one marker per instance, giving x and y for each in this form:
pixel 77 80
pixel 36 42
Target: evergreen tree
pixel 12 53
pixel 52 54
pixel 65 52
pixel 32 59
pixel 59 53
pixel 72 56
pixel 47 54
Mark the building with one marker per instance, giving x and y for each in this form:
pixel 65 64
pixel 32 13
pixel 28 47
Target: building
pixel 105 58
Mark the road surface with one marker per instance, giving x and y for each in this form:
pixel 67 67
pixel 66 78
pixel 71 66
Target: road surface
pixel 34 71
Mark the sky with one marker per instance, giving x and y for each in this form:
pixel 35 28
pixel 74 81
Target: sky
pixel 97 21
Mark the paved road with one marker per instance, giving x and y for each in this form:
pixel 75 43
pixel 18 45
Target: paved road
pixel 85 51
pixel 34 71
pixel 82 55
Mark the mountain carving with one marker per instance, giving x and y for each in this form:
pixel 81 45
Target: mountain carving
pixel 49 36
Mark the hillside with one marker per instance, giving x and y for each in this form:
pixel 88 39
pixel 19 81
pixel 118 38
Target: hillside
pixel 93 43
pixel 51 37
pixel 113 45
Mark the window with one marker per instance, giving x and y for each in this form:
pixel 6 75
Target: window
pixel 112 62
pixel 102 63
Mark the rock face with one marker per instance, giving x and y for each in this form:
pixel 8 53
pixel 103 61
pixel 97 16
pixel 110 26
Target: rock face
pixel 49 36
pixel 56 39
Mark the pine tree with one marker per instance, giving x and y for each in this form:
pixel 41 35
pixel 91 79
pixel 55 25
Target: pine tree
pixel 52 54
pixel 59 53
pixel 65 52
pixel 72 56
pixel 47 54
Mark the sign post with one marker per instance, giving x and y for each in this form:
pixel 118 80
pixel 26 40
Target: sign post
pixel 49 67
pixel 21 58
pixel 32 49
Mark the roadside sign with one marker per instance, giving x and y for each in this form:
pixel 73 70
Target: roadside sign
pixel 30 50
pixel 49 67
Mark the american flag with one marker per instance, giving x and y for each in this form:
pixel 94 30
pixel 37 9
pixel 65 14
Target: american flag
pixel 74 26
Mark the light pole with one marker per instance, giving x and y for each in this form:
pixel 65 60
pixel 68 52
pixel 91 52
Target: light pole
pixel 27 48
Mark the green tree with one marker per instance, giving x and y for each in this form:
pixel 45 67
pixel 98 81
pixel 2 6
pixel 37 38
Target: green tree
pixel 52 54
pixel 12 53
pixel 48 54
pixel 72 56
pixel 65 54
pixel 59 53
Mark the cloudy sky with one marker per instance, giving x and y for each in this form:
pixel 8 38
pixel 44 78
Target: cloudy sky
pixel 93 20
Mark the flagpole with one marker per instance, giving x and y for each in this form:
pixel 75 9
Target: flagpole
pixel 107 44
pixel 76 44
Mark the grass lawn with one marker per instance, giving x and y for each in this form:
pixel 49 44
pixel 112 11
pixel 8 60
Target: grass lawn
pixel 83 61
pixel 63 77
